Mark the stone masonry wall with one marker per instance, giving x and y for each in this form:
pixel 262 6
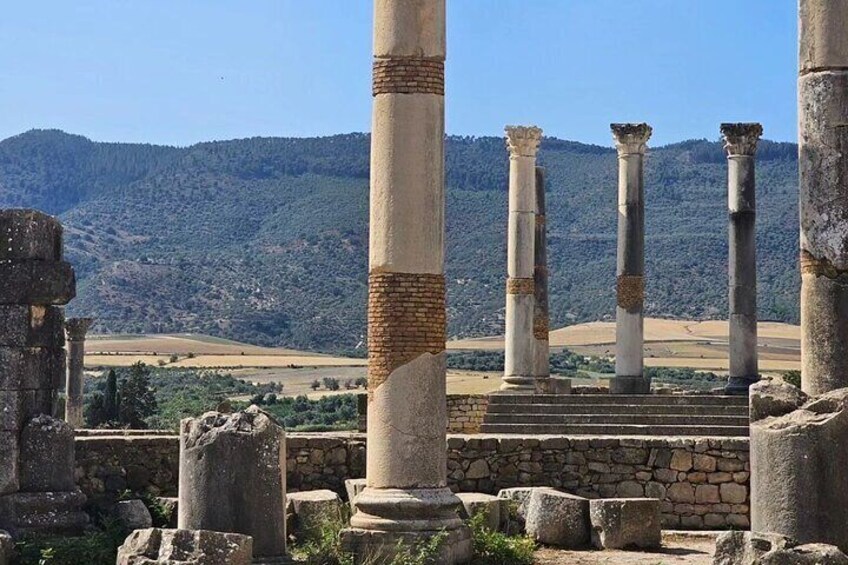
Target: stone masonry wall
pixel 465 413
pixel 702 482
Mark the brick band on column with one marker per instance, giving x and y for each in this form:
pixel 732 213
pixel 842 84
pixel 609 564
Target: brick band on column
pixel 520 286
pixel 408 75
pixel 406 318
pixel 630 291
pixel 541 327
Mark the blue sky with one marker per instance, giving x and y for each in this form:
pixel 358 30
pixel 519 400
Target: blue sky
pixel 182 71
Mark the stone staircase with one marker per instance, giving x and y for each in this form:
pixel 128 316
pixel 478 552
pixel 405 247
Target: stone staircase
pixel 605 414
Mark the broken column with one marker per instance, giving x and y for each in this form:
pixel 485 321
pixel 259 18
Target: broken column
pixel 406 498
pixel 823 193
pixel 631 142
pixel 233 478
pixel 37 491
pixel 520 364
pixel 75 330
pixel 541 320
pixel 740 142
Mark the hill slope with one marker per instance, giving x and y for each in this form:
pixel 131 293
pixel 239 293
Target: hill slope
pixel 265 239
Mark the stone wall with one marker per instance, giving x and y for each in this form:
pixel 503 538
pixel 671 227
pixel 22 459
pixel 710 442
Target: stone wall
pixel 703 483
pixel 465 412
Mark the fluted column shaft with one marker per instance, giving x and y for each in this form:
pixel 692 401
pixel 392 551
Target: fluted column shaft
pixel 631 143
pixel 541 316
pixel 75 330
pixel 740 142
pixel 823 193
pixel 520 346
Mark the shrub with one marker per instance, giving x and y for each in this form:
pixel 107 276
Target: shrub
pixel 496 548
pixel 793 378
pixel 94 548
pixel 331 383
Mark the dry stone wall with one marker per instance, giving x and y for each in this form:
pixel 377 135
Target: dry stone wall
pixel 702 483
pixel 465 412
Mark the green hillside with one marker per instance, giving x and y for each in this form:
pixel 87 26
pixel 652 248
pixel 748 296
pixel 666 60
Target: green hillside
pixel 265 239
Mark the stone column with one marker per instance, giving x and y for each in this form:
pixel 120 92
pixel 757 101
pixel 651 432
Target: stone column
pixel 520 342
pixel 823 193
pixel 740 142
pixel 75 330
pixel 406 497
pixel 631 142
pixel 541 319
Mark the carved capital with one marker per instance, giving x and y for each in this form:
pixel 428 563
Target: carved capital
pixel 523 141
pixel 631 138
pixel 76 328
pixel 741 139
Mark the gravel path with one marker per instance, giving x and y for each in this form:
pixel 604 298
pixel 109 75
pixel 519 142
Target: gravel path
pixel 677 550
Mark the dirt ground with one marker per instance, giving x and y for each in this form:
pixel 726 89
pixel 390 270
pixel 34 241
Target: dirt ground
pixel 676 550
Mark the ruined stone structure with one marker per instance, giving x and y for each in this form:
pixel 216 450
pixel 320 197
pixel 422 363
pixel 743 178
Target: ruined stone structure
pixel 541 318
pixel 740 142
pixel 406 497
pixel 37 491
pixel 823 193
pixel 75 330
pixel 631 142
pixel 520 364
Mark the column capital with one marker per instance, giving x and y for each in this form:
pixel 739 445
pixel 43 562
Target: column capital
pixel 631 138
pixel 741 138
pixel 523 141
pixel 76 328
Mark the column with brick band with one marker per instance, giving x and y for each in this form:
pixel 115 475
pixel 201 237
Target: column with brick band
pixel 75 330
pixel 740 142
pixel 540 283
pixel 406 498
pixel 631 142
pixel 823 193
pixel 520 345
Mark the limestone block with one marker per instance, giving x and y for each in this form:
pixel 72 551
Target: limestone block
pixel 308 511
pixel 474 503
pixel 822 40
pixel 232 477
pixel 155 546
pixel 132 515
pixel 773 398
pixel 29 234
pixel 559 519
pixel 9 473
pixel 31 368
pixel 47 456
pixel 353 488
pixel 767 548
pixel 514 510
pixel 36 282
pixel 7 547
pixel 23 325
pixel 553 385
pixel 43 513
pixel 620 523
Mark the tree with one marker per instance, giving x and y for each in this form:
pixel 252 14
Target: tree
pixel 331 383
pixel 315 385
pixel 137 401
pixel 110 398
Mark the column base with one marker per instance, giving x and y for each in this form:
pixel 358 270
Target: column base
pixel 553 385
pixel 516 384
pixel 377 546
pixel 740 385
pixel 630 385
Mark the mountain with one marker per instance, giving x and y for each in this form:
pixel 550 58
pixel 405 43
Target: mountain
pixel 265 239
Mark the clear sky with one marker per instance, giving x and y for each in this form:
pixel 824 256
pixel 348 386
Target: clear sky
pixel 181 71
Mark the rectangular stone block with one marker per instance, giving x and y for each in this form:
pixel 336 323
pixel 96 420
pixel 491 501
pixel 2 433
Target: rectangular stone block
pixel 8 463
pixel 10 411
pixel 36 282
pixel 31 326
pixel 35 402
pixel 29 234
pixel 31 368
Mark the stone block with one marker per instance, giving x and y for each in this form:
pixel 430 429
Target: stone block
pixel 29 234
pixel 307 512
pixel 733 493
pixel 47 456
pixel 9 472
pixel 681 460
pixel 31 368
pixel 157 546
pixel 43 513
pixel 514 510
pixel 384 547
pixel 353 487
pixel 7 547
pixel 553 385
pixel 621 523
pixel 36 282
pixel 22 325
pixel 558 519
pixel 132 515
pixel 474 503
pixel 768 397
pixel 766 548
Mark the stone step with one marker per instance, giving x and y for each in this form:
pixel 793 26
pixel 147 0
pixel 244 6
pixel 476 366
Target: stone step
pixel 614 430
pixel 627 419
pixel 632 399
pixel 694 410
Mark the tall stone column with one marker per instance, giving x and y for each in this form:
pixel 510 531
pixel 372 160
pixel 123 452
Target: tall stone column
pixel 75 330
pixel 740 142
pixel 406 498
pixel 631 142
pixel 541 317
pixel 520 345
pixel 823 193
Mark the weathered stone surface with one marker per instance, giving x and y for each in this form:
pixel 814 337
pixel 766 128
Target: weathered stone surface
pixel 31 368
pixel 36 282
pixel 217 452
pixel 29 234
pixel 514 510
pixel 352 487
pixel 766 548
pixel 133 515
pixel 7 547
pixel 770 397
pixel 474 503
pixel 308 511
pixel 559 519
pixel 23 325
pixel 798 464
pixel 43 513
pixel 620 523
pixel 47 456
pixel 553 385
pixel 157 546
